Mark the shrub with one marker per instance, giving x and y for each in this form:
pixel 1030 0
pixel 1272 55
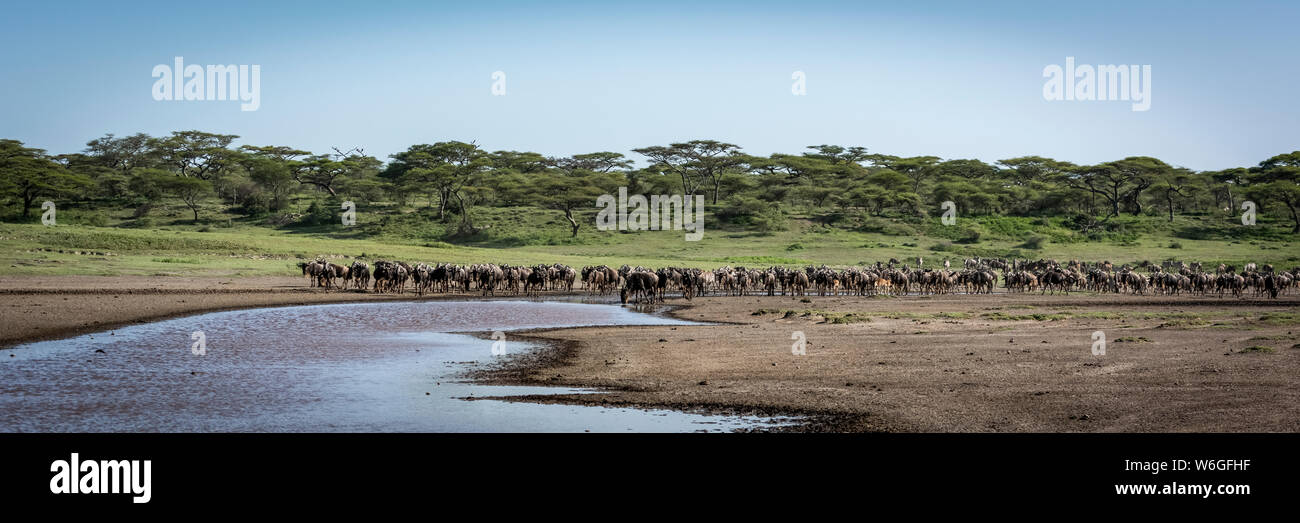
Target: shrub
pixel 752 214
pixel 969 236
pixel 95 219
pixel 319 213
pixel 1033 242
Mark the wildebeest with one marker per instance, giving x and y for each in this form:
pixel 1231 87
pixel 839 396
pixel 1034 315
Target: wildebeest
pixel 1169 277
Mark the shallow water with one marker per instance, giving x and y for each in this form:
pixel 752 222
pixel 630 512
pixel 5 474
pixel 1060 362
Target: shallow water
pixel 358 367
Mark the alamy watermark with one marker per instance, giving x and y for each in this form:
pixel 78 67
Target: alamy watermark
pixel 116 476
pixel 949 216
pixel 659 212
pixel 800 85
pixel 498 343
pixel 349 213
pixel 498 83
pixel 180 82
pixel 200 345
pixel 1098 83
pixel 48 213
pixel 1098 343
pixel 1248 213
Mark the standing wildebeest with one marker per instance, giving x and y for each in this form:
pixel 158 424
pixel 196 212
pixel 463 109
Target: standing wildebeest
pixel 359 272
pixel 334 270
pixel 312 270
pixel 640 286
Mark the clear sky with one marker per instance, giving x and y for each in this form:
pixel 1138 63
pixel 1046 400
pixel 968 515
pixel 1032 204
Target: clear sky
pixel 950 79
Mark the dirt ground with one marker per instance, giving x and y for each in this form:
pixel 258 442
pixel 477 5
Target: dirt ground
pixel 956 363
pixel 40 308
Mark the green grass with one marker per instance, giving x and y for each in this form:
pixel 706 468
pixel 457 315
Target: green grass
pixel 166 242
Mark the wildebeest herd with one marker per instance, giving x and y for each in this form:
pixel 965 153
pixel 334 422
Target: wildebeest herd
pixel 644 285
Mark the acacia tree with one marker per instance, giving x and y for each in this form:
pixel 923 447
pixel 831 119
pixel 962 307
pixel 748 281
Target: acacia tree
pixel 445 168
pixel 1025 170
pixel 321 171
pixel 192 191
pixel 577 182
pixel 29 173
pixel 1174 183
pixel 125 153
pixel 1282 176
pixel 197 154
pixel 916 168
pixel 698 162
pixel 1282 192
pixel 969 169
pixel 601 162
pixel 520 162
pixel 1140 173
pixel 568 192
pixel 333 172
pixel 1098 180
pixel 836 154
pixel 1227 179
pixel 1117 182
pixel 275 152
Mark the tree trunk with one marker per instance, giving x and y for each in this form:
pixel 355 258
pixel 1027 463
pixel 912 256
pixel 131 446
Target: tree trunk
pixel 568 213
pixel 28 199
pixel 466 225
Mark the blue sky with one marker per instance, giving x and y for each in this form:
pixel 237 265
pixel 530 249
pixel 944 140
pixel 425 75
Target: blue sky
pixel 951 79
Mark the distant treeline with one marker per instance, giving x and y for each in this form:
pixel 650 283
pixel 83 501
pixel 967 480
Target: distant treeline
pixel 749 191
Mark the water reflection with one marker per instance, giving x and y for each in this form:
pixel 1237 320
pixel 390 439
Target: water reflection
pixel 358 367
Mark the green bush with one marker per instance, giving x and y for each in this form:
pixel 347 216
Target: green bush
pixel 95 219
pixel 752 214
pixel 969 235
pixel 320 212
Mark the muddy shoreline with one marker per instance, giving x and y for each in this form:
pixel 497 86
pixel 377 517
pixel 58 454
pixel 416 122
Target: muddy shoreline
pixel 1004 363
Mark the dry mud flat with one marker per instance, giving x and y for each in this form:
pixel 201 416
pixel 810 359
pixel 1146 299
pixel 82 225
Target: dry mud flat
pixel 957 363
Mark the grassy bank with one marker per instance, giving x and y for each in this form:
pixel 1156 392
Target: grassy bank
pixel 169 243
